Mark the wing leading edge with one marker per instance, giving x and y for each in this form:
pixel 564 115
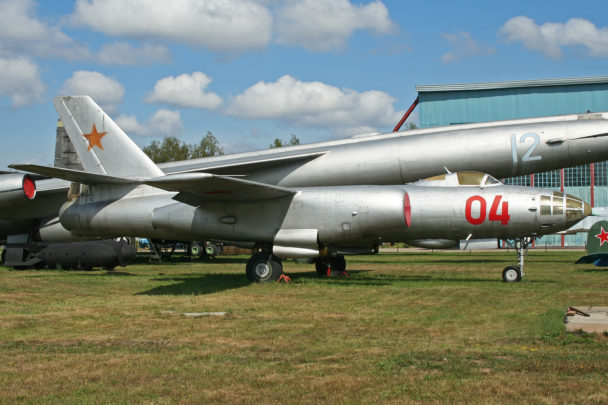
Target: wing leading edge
pixel 192 188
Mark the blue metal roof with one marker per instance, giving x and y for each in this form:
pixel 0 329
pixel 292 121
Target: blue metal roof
pixel 512 84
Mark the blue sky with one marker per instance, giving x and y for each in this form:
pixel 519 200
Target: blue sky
pixel 253 70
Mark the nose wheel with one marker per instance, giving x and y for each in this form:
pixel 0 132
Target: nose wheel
pixel 512 274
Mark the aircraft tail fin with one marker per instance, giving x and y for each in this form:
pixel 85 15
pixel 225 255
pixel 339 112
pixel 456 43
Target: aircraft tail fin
pixel 597 245
pixel 101 145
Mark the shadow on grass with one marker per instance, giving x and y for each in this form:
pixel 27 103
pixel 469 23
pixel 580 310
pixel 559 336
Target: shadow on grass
pixel 362 277
pixel 406 260
pixel 179 259
pixel 593 269
pixel 117 273
pixel 199 284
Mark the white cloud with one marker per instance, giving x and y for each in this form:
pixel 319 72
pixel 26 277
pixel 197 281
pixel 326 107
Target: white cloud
pixel 185 91
pixel 130 125
pixel 18 23
pixel 106 91
pixel 228 25
pixel 315 104
pixel 551 38
pixel 324 25
pixel 20 80
pixel 464 45
pixel 121 53
pixel 22 33
pixel 162 123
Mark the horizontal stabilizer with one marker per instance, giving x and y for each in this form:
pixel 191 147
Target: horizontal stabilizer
pixel 72 175
pixel 196 188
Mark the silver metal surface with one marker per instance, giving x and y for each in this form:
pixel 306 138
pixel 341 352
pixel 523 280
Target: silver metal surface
pixel 341 196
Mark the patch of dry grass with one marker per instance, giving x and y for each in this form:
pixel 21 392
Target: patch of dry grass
pixel 404 328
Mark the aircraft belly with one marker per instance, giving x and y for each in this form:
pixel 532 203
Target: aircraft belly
pixel 244 221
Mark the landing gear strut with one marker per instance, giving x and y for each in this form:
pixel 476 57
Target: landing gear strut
pixel 512 274
pixel 263 267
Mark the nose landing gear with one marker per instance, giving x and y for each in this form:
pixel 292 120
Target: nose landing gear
pixel 512 274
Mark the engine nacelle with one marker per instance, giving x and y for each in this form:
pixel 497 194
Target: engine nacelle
pixel 16 187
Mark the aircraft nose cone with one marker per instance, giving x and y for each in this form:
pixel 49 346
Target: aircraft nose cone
pixel 587 210
pixel 576 209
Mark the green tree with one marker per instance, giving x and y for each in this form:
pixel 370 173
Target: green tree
pixel 208 146
pixel 279 143
pixel 172 149
pixel 169 150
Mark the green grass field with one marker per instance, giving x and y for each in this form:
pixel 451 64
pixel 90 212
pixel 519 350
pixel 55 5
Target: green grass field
pixel 404 328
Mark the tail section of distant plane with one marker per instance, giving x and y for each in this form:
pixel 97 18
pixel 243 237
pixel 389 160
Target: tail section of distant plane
pixel 597 245
pixel 102 146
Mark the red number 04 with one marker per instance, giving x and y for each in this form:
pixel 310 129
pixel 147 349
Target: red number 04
pixel 503 217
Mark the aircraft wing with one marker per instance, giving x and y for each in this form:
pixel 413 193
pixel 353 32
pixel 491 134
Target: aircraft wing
pixel 242 163
pixel 196 188
pixel 72 175
pixel 193 188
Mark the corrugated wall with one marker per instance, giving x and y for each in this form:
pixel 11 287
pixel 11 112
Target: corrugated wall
pixel 457 107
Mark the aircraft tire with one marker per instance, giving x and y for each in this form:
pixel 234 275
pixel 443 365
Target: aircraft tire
pixel 263 267
pixel 511 274
pixel 321 266
pixel 338 263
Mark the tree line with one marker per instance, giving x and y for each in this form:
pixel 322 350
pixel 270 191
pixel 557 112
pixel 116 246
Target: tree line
pixel 172 149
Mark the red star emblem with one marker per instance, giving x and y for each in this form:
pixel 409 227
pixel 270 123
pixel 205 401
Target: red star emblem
pixel 602 236
pixel 94 138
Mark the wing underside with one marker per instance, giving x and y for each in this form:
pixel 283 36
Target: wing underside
pixel 195 188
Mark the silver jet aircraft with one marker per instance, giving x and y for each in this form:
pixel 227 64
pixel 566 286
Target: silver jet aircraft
pixel 291 215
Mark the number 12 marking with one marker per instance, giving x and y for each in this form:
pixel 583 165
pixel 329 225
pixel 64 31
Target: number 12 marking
pixel 503 217
pixel 527 157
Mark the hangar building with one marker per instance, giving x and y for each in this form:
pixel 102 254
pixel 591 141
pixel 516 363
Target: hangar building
pixel 479 102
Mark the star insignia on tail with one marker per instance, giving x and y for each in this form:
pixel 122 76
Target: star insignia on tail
pixel 602 236
pixel 94 138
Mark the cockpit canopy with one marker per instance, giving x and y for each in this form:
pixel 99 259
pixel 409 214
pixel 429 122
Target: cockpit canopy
pixel 477 179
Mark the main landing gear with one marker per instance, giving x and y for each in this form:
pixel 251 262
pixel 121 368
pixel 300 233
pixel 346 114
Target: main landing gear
pixel 329 266
pixel 263 267
pixel 512 274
